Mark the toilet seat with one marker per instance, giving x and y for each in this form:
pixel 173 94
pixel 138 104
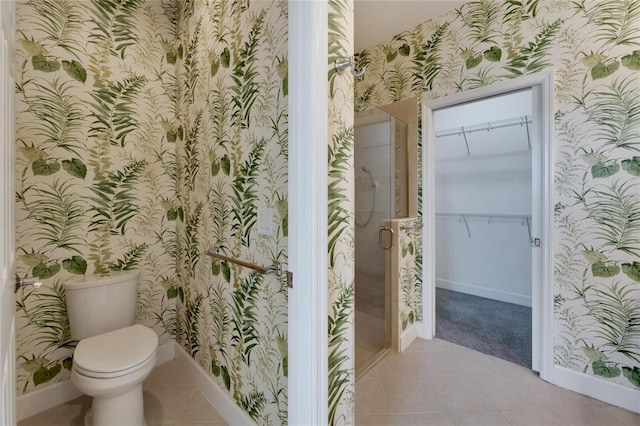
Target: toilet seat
pixel 116 353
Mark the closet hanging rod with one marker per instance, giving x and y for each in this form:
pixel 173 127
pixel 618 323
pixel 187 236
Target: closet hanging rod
pixel 499 217
pixel 524 120
pixel 275 269
pixel 518 216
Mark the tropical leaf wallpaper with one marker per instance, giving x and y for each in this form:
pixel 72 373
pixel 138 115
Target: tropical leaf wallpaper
pixel 232 147
pixel 341 206
pixel 409 278
pixel 594 48
pixel 148 132
pixel 405 271
pixel 94 166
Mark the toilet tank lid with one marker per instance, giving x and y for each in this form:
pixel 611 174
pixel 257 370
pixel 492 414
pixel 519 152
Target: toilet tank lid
pixel 87 281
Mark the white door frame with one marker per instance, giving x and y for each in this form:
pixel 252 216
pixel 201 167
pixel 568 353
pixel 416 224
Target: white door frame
pixel 542 225
pixel 7 244
pixel 308 203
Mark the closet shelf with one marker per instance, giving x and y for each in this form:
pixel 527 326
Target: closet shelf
pixel 488 126
pixel 523 120
pixel 517 216
pixel 525 219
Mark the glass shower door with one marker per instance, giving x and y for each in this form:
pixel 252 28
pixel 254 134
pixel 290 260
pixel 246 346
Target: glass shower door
pixel 376 190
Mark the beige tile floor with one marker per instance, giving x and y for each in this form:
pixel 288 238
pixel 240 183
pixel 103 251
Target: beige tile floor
pixel 431 383
pixel 369 319
pixel 370 293
pixel 370 339
pixel 439 383
pixel 170 398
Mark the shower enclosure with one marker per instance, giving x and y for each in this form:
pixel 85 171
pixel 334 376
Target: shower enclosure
pixel 380 195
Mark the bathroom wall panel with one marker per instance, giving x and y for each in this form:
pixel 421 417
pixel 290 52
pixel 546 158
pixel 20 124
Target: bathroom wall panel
pixel 232 161
pixel 95 166
pixel 197 143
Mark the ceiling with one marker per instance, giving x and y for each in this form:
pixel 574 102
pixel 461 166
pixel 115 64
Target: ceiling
pixel 377 21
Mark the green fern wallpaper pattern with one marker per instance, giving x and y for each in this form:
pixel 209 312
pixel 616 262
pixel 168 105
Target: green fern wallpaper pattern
pixel 111 115
pixel 341 250
pixel 232 147
pixel 93 158
pixel 147 132
pixel 594 48
pixel 409 273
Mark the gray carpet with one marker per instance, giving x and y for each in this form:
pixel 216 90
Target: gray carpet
pixel 488 326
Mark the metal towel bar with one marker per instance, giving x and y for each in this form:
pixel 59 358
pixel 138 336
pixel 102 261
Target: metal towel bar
pixel 275 269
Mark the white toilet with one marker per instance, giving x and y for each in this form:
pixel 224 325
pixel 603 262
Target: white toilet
pixel 113 356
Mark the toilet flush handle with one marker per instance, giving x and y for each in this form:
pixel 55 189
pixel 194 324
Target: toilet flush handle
pixel 22 282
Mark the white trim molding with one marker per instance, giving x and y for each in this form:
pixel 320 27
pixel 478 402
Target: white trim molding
pixel 219 398
pixel 166 352
pixel 40 400
pixel 611 393
pixel 487 293
pixel 7 216
pixel 542 297
pixel 408 336
pixel 308 203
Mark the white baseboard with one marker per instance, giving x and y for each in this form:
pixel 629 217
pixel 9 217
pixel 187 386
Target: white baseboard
pixel 219 398
pixel 611 393
pixel 408 336
pixel 42 399
pixel 502 296
pixel 166 352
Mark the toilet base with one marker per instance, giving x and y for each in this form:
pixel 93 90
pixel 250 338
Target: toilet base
pixel 117 410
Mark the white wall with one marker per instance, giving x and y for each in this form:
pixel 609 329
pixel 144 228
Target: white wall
pixel 493 258
pixel 496 108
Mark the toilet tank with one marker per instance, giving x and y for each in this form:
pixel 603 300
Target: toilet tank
pixel 100 303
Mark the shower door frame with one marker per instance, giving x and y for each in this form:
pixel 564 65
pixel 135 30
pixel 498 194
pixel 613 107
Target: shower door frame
pixel 377 116
pixel 541 85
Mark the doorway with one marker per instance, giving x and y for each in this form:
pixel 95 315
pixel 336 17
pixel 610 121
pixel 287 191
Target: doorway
pixel 536 228
pixel 483 203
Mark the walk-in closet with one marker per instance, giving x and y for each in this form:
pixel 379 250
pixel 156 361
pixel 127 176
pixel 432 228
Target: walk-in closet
pixel 483 222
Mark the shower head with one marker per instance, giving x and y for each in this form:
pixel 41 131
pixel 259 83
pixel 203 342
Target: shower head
pixel 367 171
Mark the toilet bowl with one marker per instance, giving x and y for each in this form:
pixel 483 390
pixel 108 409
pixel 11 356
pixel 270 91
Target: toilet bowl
pixel 110 367
pixel 113 356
